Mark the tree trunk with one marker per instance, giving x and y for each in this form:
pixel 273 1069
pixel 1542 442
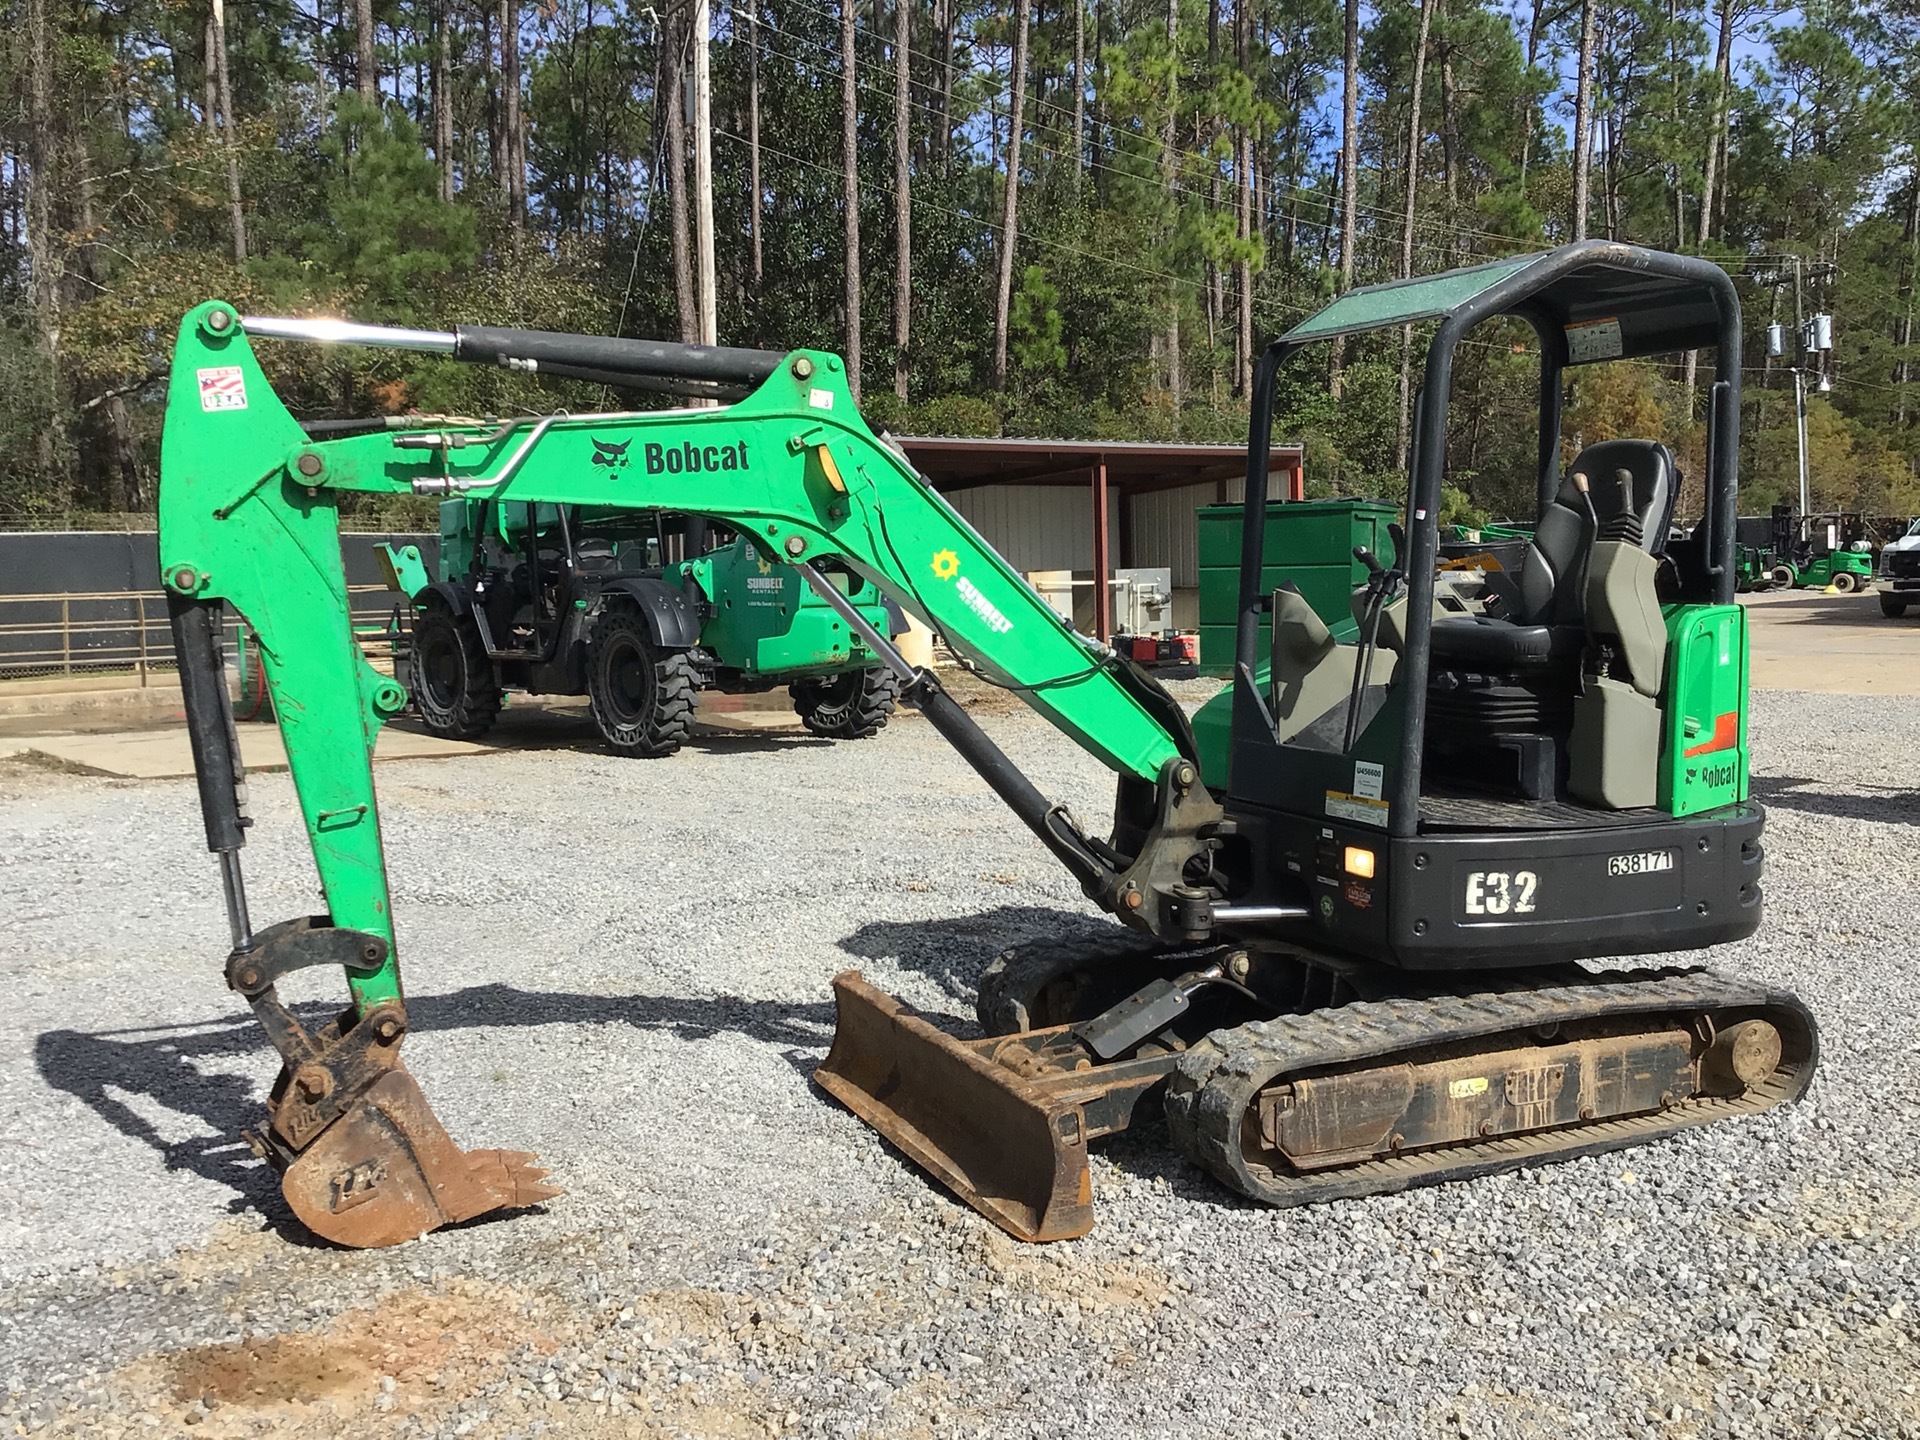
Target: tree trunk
pixel 1903 370
pixel 209 89
pixel 1611 173
pixel 850 185
pixel 1416 131
pixel 902 178
pixel 366 68
pixel 685 301
pixel 223 84
pixel 1717 136
pixel 1349 175
pixel 43 278
pixel 512 123
pixel 1536 30
pixel 494 23
pixel 1243 154
pixel 442 86
pixel 946 26
pixel 754 190
pixel 120 468
pixel 1079 89
pixel 1583 121
pixel 1449 125
pixel 1169 178
pixel 1010 201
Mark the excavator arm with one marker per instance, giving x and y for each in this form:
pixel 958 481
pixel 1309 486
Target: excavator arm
pixel 249 520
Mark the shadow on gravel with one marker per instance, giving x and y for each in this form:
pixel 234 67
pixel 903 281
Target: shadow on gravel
pixel 99 1068
pixel 952 953
pixel 159 1065
pixel 1887 804
pixel 733 742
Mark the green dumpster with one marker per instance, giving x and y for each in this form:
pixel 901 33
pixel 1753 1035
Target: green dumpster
pixel 1309 542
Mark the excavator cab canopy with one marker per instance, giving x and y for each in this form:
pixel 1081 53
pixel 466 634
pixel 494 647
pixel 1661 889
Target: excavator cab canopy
pixel 1646 310
pixel 1587 303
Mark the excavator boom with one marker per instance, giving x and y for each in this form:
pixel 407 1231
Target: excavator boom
pixel 249 520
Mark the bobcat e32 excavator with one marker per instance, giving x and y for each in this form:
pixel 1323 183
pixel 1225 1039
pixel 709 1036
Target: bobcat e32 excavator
pixel 1353 892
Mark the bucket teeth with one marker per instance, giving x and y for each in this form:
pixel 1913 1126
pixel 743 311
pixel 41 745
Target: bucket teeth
pixel 386 1171
pixel 512 1176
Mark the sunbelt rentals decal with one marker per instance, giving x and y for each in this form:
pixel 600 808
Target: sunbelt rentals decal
pixel 766 584
pixel 946 566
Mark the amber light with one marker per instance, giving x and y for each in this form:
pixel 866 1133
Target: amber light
pixel 1359 862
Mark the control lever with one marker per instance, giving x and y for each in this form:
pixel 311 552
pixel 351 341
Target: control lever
pixel 1382 583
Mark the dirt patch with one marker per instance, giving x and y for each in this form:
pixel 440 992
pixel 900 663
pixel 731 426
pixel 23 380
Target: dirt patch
pixel 283 1370
pixel 1062 1276
pixel 23 763
pixel 413 1354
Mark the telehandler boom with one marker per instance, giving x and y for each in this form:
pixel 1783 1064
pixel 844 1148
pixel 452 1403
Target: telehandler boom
pixel 1353 902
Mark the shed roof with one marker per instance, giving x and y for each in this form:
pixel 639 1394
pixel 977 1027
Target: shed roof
pixel 1134 466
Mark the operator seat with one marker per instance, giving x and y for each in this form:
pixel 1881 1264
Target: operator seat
pixel 1545 600
pixel 1502 687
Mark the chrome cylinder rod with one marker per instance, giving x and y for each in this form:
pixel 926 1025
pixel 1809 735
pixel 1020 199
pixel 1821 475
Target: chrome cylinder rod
pixel 234 888
pixel 347 332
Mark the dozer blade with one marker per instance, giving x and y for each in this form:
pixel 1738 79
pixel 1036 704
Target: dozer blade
pixel 386 1171
pixel 1012 1151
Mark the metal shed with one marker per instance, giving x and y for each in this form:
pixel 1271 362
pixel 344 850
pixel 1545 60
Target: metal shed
pixel 1094 504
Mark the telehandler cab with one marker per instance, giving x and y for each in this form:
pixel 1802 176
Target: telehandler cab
pixel 636 610
pixel 1354 891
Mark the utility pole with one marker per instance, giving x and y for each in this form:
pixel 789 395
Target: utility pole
pixel 703 175
pixel 1813 338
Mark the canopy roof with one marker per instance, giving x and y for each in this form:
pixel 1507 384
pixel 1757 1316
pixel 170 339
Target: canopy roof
pixel 1611 301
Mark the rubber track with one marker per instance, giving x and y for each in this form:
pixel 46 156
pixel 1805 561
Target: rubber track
pixel 1217 1081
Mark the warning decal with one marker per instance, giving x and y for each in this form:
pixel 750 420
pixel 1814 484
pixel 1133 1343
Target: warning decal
pixel 1361 809
pixel 223 387
pixel 1591 340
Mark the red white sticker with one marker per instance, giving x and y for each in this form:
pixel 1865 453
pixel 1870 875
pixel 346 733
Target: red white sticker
pixel 223 387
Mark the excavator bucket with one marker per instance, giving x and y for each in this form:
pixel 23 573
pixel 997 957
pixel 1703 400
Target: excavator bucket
pixel 1012 1151
pixel 386 1171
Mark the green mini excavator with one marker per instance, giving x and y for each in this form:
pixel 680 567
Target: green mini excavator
pixel 1354 892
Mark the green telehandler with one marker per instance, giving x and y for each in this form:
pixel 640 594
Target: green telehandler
pixel 635 609
pixel 1354 893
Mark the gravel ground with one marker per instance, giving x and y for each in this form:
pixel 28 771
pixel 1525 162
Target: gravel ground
pixel 624 966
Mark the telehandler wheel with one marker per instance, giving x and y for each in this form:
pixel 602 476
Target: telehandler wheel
pixel 853 705
pixel 454 687
pixel 641 696
pixel 1845 581
pixel 1891 608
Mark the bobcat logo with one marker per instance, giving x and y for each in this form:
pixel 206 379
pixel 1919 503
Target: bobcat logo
pixel 614 457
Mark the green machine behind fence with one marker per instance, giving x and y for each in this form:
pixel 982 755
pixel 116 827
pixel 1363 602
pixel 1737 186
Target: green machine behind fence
pixel 636 609
pixel 1354 894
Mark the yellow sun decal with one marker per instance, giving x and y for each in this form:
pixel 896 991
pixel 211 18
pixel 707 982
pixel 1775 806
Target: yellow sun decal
pixel 946 564
pixel 766 565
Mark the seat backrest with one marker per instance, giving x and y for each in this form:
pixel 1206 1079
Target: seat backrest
pixel 1654 486
pixel 1552 580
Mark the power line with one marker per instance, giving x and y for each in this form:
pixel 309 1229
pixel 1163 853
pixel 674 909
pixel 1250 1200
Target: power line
pixel 1435 230
pixel 1047 241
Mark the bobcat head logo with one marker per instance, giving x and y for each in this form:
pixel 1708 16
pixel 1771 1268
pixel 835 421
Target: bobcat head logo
pixel 614 457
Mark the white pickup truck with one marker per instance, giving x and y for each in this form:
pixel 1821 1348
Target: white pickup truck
pixel 1897 577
